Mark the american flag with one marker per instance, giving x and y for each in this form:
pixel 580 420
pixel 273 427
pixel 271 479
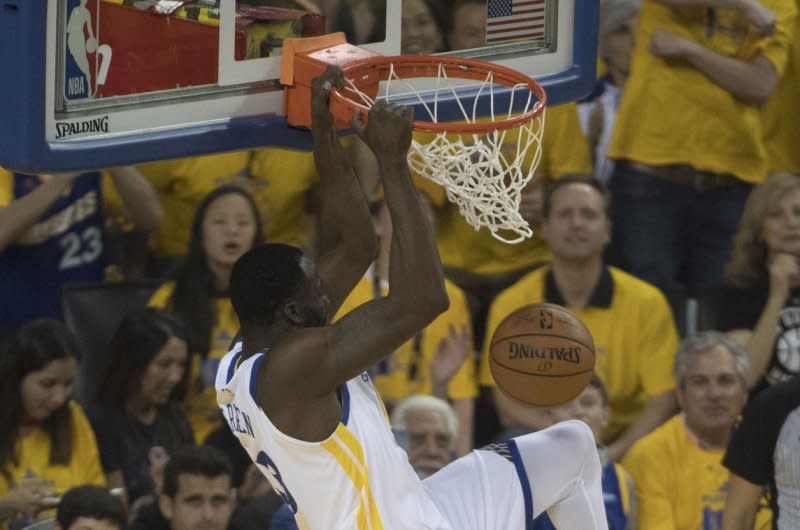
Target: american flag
pixel 512 20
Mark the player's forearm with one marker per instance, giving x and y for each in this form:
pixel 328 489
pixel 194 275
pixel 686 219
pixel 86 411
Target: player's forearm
pixel 741 504
pixel 23 213
pixel 752 83
pixel 760 346
pixel 657 410
pixel 139 200
pixel 343 219
pixel 415 271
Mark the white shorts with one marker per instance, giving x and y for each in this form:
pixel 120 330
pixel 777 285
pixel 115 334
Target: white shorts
pixel 484 490
pixel 505 486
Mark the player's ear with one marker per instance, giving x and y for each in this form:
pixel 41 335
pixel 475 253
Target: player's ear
pixel 165 504
pixel 292 313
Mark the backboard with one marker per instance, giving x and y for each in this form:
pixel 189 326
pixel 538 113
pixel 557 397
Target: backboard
pixel 99 83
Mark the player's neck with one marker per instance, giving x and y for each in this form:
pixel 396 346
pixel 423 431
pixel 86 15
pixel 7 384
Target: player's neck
pixel 576 279
pixel 256 340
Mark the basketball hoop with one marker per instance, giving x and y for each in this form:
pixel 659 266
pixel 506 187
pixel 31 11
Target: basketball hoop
pixel 484 155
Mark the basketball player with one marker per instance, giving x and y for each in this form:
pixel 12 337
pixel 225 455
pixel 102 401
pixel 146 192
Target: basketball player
pixel 296 392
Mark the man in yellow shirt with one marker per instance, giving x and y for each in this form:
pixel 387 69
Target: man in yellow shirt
pixel 688 139
pixel 680 481
pixel 630 320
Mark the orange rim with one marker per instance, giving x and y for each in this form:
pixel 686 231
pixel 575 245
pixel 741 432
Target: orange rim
pixel 408 66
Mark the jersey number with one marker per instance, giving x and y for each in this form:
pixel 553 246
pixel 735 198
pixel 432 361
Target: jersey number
pixel 265 461
pixel 80 249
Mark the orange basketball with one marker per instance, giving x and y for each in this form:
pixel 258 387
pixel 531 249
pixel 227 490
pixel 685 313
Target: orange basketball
pixel 542 355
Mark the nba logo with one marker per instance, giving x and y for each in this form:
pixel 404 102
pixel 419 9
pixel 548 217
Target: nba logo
pixel 86 60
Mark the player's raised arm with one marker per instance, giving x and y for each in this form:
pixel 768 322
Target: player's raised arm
pixel 281 299
pixel 346 239
pixel 417 294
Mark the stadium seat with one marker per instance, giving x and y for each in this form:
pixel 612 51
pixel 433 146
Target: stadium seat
pixel 93 311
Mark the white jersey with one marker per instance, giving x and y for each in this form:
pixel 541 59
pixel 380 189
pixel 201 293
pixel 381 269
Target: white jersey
pixel 356 479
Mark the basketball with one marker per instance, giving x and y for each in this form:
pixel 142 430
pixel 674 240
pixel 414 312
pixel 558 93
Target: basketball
pixel 91 45
pixel 542 355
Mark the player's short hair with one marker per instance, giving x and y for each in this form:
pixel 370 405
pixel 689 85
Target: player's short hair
pixel 200 460
pixel 574 178
pixel 597 383
pixel 704 342
pixel 422 402
pixel 94 502
pixel 262 279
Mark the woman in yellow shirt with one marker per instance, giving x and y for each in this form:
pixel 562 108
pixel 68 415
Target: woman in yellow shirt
pixel 47 445
pixel 226 225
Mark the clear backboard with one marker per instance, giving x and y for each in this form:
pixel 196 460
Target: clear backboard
pixel 99 83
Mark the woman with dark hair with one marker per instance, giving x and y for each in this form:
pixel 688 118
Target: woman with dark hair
pixel 423 26
pixel 137 418
pixel 46 443
pixel 226 225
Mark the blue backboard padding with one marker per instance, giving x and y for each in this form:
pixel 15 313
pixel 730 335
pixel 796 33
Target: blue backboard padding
pixel 22 95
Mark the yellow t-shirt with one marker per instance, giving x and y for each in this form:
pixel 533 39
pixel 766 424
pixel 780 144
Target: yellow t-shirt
pixel 679 486
pixel 278 180
pixel 671 113
pixel 408 371
pixel 564 151
pixel 634 336
pixel 33 451
pixel 782 116
pixel 201 399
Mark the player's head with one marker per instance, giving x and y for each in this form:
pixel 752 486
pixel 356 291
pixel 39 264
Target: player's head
pixel 422 27
pixel 710 370
pixel 591 407
pixel 617 25
pixel 576 222
pixel 431 427
pixel 467 27
pixel 226 225
pixel 197 493
pixel 90 508
pixel 770 224
pixel 277 282
pixel 147 359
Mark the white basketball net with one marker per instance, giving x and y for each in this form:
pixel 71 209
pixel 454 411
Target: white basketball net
pixel 483 173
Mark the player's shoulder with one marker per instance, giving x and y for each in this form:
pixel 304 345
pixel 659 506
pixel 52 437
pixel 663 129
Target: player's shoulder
pixel 228 365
